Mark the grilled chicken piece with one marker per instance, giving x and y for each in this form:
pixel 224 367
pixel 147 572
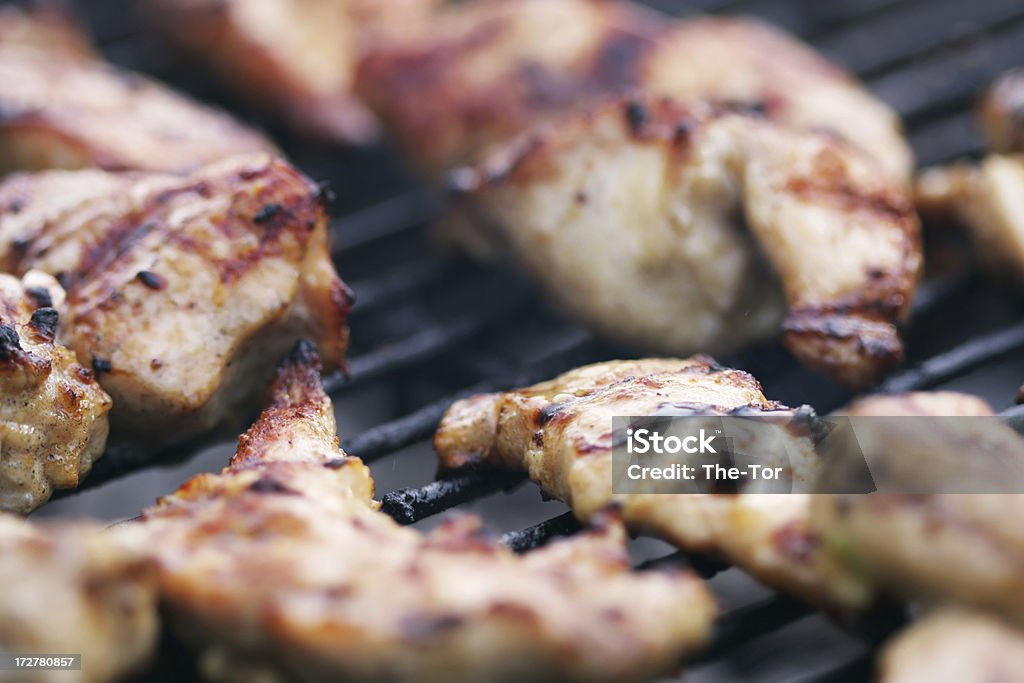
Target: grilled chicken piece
pixel 954 646
pixel 75 589
pixel 559 432
pixel 1002 113
pixel 53 414
pixel 294 56
pixel 661 226
pixel 283 568
pixel 937 547
pixel 180 290
pixel 488 70
pixel 61 107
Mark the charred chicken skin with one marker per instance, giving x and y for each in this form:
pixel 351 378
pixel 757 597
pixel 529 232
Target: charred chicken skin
pixel 53 414
pixel 294 56
pixel 180 290
pixel 559 432
pixel 75 589
pixel 488 70
pixel 667 227
pixel 283 569
pixel 960 548
pixel 63 107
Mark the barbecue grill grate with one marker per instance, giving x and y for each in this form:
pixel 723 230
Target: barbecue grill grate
pixel 428 330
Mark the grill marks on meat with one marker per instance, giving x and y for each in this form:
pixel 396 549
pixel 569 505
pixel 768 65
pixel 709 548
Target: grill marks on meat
pixel 489 70
pixel 63 107
pixel 282 566
pixel 661 225
pixel 232 294
pixel 296 57
pixel 557 432
pixel 53 414
pixel 76 588
pixel 939 548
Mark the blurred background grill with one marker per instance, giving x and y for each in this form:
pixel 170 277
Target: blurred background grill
pixel 429 328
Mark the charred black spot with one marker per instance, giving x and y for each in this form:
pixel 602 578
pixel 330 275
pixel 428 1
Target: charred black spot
pixel 427 626
pixel 151 280
pixel 271 486
pixel 581 197
pixel 338 463
pixel 548 413
pixel 267 213
pixel 9 342
pixel 101 365
pixel 636 115
pixel 16 206
pixel 40 296
pixel 616 65
pixel 325 195
pixel 20 246
pixel 683 131
pixel 44 321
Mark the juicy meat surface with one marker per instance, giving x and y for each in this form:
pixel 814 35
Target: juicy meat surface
pixel 488 70
pixel 1002 113
pixel 53 414
pixel 63 107
pixel 937 547
pixel 181 291
pixel 75 589
pixel 956 646
pixel 559 432
pixel 297 57
pixel 282 568
pixel 677 229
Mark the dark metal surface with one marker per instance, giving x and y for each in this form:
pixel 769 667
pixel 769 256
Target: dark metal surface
pixel 429 329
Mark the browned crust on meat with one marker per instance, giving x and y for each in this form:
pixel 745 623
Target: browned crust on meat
pixel 416 87
pixel 855 337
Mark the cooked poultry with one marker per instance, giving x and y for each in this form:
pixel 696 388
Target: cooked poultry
pixel 75 589
pixel 1002 113
pixel 282 568
pixel 987 198
pixel 490 69
pixel 62 107
pixel 560 433
pixel 953 646
pixel 53 414
pixel 665 226
pixel 937 547
pixel 294 56
pixel 180 289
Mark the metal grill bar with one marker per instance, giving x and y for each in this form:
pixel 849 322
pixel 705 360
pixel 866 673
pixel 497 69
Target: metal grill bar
pixel 407 506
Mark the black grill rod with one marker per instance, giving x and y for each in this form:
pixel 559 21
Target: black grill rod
pixel 382 221
pixel 537 535
pixel 423 345
pixel 745 624
pixel 957 361
pixel 373 293
pixel 407 506
pixel 391 436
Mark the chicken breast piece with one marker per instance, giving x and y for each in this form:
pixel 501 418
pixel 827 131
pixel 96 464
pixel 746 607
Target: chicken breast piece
pixel 666 227
pixel 954 646
pixel 53 414
pixel 488 70
pixel 281 568
pixel 989 200
pixel 964 548
pixel 181 291
pixel 75 589
pixel 61 107
pixel 1002 113
pixel 560 433
pixel 297 57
